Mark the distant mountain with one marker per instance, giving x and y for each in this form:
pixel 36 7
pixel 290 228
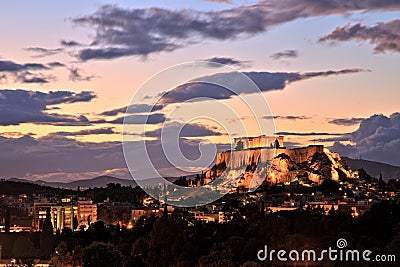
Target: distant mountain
pixel 374 168
pixel 100 181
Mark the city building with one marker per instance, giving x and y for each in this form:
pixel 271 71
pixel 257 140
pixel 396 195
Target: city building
pixel 63 213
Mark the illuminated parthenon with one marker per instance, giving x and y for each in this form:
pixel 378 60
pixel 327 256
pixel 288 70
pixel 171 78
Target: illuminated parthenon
pixel 262 141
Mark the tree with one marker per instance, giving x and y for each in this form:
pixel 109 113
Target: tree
pixel 46 236
pixel 100 254
pixel 7 222
pixel 329 186
pixel 23 248
pixel 47 224
pixel 363 175
pixel 75 223
pixel 239 146
pixel 277 143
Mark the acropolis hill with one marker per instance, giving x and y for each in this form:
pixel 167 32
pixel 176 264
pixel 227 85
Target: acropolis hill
pixel 313 163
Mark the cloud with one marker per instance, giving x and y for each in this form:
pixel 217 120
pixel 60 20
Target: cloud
pixel 121 32
pixel 75 75
pixel 44 52
pixel 55 64
pixel 285 54
pixel 136 108
pixel 191 149
pixel 99 131
pixel 70 43
pixel 345 137
pixel 228 61
pixel 28 77
pixel 220 1
pixel 266 81
pixel 24 73
pixel 15 134
pixel 377 139
pixel 68 97
pixel 60 158
pixel 23 106
pixel 329 73
pixel 385 36
pixel 10 66
pixel 155 118
pixel 346 121
pixel 309 134
pixel 183 130
pixel 26 156
pixel 288 117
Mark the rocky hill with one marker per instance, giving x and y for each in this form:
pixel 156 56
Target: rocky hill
pixel 249 168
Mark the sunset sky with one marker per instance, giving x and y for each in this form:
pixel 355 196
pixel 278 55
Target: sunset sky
pixel 328 69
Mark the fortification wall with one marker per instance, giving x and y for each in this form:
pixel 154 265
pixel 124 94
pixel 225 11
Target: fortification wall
pixel 248 157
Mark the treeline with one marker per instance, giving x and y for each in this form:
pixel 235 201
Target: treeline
pixel 17 188
pixel 114 192
pixel 180 240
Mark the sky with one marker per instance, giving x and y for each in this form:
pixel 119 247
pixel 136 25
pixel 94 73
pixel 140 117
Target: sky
pixel 68 69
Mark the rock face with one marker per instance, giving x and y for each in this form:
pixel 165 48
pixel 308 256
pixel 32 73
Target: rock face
pixel 281 165
pixel 315 168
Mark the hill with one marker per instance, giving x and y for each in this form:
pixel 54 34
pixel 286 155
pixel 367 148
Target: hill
pixel 374 168
pixel 18 186
pixel 100 181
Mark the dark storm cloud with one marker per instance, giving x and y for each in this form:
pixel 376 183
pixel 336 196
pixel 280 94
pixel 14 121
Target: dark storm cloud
pixel 44 52
pixel 23 106
pixel 377 139
pixel 288 117
pixel 137 108
pixel 123 32
pixel 385 36
pixel 75 75
pixel 346 121
pixel 285 54
pixel 187 130
pixel 266 81
pixel 228 61
pixel 70 43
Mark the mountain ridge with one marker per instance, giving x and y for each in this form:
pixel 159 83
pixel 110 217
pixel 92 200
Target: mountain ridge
pixel 374 168
pixel 99 181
